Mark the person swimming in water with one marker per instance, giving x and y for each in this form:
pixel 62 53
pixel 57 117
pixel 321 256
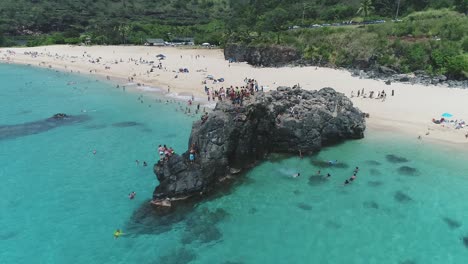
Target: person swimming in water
pixel 328 175
pixel 356 170
pixel 318 172
pixel 132 195
pixel 145 164
pixel 332 162
pixel 346 182
pixel 94 152
pixel 352 177
pixel 297 175
pixel 117 233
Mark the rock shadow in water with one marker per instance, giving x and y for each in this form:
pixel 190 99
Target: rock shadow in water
pixel 147 220
pixel 402 197
pixel 374 183
pixel 41 126
pixel 332 224
pixel 304 206
pixel 408 171
pixel 396 159
pixel 178 256
pixel 371 205
pixel 325 164
pixel 465 241
pixel 375 172
pixel 146 130
pixel 6 235
pixel 201 226
pixel 24 112
pixel 127 124
pixel 253 210
pixel 95 126
pixel 453 224
pixel 317 180
pixel 372 162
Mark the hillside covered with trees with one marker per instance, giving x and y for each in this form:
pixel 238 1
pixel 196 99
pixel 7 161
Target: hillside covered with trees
pixel 432 35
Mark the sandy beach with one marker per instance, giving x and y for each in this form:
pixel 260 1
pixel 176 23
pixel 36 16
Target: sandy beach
pixel 409 111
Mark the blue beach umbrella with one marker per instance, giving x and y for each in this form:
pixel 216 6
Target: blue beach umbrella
pixel 447 115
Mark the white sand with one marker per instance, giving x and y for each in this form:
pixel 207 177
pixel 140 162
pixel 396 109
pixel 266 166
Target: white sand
pixel 410 111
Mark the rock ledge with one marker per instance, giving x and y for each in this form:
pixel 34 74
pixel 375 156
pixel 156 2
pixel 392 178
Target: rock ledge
pixel 233 138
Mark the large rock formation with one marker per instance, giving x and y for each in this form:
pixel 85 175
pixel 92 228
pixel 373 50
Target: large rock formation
pixel 233 138
pixel 268 56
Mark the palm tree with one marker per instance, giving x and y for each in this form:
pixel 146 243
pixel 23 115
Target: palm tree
pixel 366 7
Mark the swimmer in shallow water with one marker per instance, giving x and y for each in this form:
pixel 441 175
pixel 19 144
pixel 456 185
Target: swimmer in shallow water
pixel 132 195
pixel 145 164
pixel 346 182
pixel 296 175
pixel 117 233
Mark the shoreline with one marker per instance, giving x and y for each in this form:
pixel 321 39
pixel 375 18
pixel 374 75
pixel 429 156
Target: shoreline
pixel 408 112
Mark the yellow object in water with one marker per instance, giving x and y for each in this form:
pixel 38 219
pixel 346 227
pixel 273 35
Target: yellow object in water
pixel 117 233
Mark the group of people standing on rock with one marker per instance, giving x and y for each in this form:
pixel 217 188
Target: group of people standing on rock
pixel 236 95
pixel 380 95
pixel 165 153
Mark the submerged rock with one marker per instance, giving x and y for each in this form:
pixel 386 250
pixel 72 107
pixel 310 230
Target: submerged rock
pixel 409 171
pixel 304 206
pixel 465 241
pixel 288 120
pixel 41 126
pixel 402 197
pixel 453 224
pixel 396 159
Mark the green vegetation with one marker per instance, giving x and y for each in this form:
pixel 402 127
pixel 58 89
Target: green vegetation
pixel 431 37
pixel 435 41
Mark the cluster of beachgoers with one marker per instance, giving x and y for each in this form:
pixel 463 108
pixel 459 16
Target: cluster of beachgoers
pixel 380 94
pixel 235 94
pixel 179 70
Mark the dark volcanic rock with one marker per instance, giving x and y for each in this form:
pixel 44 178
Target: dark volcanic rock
pixel 234 138
pixel 273 55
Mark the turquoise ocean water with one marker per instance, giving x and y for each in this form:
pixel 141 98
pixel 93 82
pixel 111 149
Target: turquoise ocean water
pixel 61 203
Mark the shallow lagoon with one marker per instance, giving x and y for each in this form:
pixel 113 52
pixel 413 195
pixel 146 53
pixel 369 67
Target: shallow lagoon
pixel 61 203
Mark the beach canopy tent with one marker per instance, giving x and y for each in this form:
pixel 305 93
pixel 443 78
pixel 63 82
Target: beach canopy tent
pixel 160 56
pixel 447 115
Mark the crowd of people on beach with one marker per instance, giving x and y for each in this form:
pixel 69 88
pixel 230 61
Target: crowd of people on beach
pixel 380 94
